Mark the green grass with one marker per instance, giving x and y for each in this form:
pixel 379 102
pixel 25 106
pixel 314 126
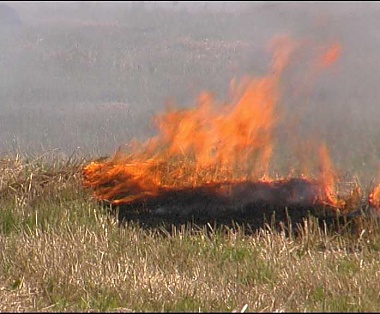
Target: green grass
pixel 68 254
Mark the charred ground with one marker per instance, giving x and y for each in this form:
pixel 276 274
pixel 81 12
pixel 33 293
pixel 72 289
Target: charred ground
pixel 283 205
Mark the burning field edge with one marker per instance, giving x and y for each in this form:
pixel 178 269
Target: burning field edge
pixel 244 204
pixel 212 162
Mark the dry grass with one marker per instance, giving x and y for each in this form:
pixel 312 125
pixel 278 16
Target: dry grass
pixel 60 251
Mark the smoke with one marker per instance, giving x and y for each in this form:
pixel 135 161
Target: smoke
pixel 94 74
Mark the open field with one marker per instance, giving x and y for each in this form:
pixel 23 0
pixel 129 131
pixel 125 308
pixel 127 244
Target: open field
pixel 60 251
pixel 79 79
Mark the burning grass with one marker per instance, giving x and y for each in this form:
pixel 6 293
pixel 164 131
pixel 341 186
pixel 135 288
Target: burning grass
pixel 215 158
pixel 61 251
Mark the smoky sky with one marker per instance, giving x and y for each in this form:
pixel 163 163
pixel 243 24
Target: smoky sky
pixel 90 76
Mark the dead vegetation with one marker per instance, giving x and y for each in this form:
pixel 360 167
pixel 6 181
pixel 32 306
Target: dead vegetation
pixel 64 252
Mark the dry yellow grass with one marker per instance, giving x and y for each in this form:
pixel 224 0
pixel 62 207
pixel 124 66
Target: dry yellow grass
pixel 65 253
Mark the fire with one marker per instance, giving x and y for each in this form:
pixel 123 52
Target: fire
pixel 374 197
pixel 328 178
pixel 228 136
pixel 331 56
pixel 211 143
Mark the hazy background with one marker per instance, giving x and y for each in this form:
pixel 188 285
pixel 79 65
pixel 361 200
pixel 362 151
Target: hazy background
pixel 86 77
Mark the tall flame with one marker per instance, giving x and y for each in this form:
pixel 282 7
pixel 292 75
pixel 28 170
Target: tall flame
pixel 212 142
pixel 328 178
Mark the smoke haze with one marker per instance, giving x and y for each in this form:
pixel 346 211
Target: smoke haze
pixel 90 76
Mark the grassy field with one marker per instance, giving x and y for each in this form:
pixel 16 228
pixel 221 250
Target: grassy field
pixel 78 80
pixel 61 251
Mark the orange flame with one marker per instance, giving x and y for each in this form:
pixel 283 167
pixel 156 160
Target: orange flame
pixel 212 142
pixel 374 197
pixel 331 56
pixel 328 178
